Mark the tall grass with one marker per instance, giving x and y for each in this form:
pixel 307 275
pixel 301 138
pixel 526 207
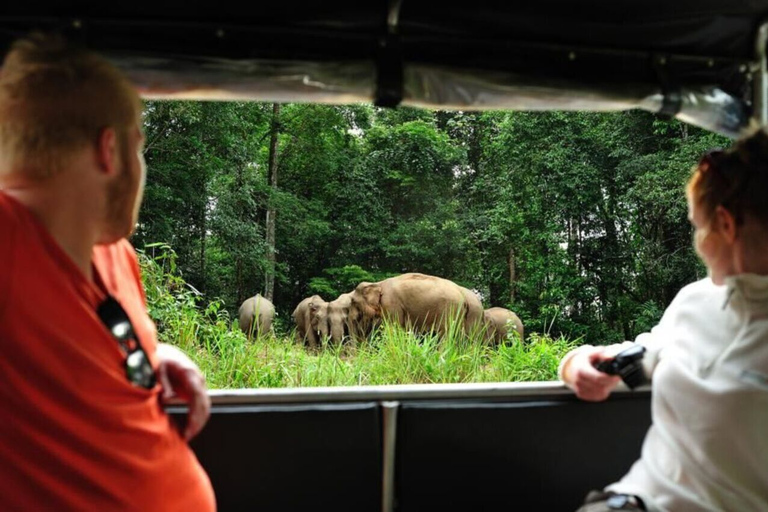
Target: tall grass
pixel 393 355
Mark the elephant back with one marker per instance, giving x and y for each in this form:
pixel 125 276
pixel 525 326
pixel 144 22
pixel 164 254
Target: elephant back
pixel 265 312
pixel 425 301
pixel 498 322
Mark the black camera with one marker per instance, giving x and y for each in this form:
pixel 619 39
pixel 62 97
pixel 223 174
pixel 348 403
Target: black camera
pixel 628 365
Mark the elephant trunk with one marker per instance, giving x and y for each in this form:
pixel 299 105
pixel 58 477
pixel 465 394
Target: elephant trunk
pixel 337 332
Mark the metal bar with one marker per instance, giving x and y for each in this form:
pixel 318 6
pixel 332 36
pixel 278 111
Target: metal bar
pixel 393 18
pixel 514 391
pixel 389 443
pixel 761 80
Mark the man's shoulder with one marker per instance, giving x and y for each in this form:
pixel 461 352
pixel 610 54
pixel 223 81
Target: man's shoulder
pixel 16 220
pixel 125 248
pixel 10 217
pixel 118 255
pixel 122 249
pixel 119 261
pixel 10 212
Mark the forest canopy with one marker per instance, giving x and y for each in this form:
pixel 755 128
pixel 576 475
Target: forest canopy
pixel 575 221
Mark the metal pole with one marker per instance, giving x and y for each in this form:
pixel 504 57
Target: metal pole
pixel 761 81
pixel 393 18
pixel 389 421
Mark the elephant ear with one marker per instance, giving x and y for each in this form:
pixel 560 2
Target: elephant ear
pixel 314 318
pixel 316 309
pixel 371 292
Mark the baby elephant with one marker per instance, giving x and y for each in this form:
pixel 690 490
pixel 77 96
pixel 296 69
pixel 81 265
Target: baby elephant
pixel 311 317
pixel 498 322
pixel 256 315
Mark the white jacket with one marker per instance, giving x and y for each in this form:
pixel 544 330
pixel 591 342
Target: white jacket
pixel 707 449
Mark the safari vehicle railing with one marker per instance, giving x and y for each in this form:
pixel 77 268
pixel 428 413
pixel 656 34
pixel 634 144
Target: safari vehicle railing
pixel 417 447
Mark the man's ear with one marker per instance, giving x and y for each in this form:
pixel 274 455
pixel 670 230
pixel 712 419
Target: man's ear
pixel 726 223
pixel 106 150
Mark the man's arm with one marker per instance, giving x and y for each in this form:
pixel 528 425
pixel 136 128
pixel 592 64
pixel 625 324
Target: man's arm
pixel 181 378
pixel 177 374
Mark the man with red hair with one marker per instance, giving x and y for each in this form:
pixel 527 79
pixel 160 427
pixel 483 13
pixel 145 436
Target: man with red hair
pixel 83 427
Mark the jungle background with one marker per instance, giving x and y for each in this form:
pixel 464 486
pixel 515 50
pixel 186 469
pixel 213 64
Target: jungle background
pixel 575 221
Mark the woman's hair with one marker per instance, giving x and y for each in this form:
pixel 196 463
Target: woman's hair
pixel 736 179
pixel 55 99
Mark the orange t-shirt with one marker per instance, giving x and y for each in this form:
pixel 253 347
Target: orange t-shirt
pixel 75 434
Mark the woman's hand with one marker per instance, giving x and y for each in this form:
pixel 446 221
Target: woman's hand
pixel 580 374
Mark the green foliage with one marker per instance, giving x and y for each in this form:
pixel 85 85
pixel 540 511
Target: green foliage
pixel 592 207
pixel 205 192
pixel 587 209
pixel 177 308
pixel 394 355
pixel 340 280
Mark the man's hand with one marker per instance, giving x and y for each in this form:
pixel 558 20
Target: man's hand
pixel 181 378
pixel 581 375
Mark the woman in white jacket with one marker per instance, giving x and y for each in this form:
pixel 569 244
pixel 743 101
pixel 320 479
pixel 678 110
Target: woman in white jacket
pixel 707 448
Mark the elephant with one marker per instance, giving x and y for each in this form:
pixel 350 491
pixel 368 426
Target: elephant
pixel 473 321
pixel 337 316
pixel 416 301
pixel 498 322
pixel 311 325
pixel 256 315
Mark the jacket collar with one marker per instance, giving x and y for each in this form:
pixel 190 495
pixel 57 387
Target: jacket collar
pixel 748 292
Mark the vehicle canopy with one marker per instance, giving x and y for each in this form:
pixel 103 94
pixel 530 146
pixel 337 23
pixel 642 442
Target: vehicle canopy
pixel 702 61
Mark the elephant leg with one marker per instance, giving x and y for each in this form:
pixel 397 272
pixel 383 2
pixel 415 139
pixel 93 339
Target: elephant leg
pixel 349 339
pixel 399 317
pixel 312 338
pixel 447 325
pixel 438 323
pixel 357 334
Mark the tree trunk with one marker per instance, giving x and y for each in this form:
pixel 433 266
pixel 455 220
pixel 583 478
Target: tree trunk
pixel 202 257
pixel 239 280
pixel 512 276
pixel 240 211
pixel 270 222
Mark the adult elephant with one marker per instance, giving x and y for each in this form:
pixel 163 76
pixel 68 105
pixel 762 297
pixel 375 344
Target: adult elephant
pixel 256 315
pixel 311 321
pixel 498 322
pixel 416 301
pixel 474 319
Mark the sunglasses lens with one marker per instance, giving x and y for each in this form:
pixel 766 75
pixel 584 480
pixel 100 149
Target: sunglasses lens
pixel 139 369
pixel 122 330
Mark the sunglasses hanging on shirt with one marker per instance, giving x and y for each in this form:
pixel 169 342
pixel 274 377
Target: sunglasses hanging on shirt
pixel 138 368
